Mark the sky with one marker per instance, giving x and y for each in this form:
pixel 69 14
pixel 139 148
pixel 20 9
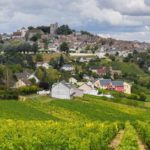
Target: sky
pixel 120 19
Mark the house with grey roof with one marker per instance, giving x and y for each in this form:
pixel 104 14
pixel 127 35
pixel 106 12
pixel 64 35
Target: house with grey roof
pixel 64 90
pixel 119 86
pixel 102 83
pixel 22 75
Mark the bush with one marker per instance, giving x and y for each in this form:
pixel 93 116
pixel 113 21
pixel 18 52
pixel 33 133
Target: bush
pixel 8 94
pixel 142 97
pixel 133 97
pixel 27 90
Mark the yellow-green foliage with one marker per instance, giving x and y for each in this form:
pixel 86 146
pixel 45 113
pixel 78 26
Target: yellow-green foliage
pixel 129 141
pixel 49 135
pixel 143 129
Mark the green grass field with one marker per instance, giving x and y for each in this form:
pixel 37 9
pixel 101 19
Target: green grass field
pixel 87 108
pixel 129 68
pixel 79 124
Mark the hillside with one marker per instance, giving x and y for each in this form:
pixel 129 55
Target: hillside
pixel 87 108
pixel 128 68
pixel 80 124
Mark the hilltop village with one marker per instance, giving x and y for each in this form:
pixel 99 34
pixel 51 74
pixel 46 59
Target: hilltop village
pixel 63 63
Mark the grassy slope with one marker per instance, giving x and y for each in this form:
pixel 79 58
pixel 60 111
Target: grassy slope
pixel 18 110
pixel 129 68
pixel 43 108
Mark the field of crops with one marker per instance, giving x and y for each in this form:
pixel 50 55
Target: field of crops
pixel 51 135
pixel 56 136
pixel 130 139
pixel 85 123
pixel 143 129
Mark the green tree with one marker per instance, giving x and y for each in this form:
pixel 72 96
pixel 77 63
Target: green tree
pixel 35 37
pixel 30 28
pixel 39 57
pixel 61 61
pixel 64 47
pixel 35 48
pixel 64 30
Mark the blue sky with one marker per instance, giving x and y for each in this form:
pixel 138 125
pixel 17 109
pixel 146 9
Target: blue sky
pixel 121 19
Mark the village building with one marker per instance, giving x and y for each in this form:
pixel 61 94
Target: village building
pixel 102 83
pixel 22 75
pixel 67 67
pixel 101 71
pixel 117 86
pixel 19 34
pixel 21 83
pixel 33 32
pixel 108 84
pixel 64 90
pixel 53 28
pixel 88 88
pixel 73 80
pixel 42 64
pixel 127 88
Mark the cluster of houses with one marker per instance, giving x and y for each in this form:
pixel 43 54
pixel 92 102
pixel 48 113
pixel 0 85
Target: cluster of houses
pixel 103 71
pixel 23 79
pixel 73 88
pixel 64 90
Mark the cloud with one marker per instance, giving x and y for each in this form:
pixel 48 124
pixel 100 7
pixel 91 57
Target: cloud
pixel 105 16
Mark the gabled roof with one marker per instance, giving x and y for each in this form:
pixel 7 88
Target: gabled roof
pixel 26 82
pixel 117 83
pixel 22 75
pixel 68 85
pixel 105 82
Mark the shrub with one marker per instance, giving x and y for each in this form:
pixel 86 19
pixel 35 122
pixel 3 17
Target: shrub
pixel 27 90
pixel 8 94
pixel 133 97
pixel 142 97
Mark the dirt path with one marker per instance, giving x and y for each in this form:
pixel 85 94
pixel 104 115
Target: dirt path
pixel 116 141
pixel 141 145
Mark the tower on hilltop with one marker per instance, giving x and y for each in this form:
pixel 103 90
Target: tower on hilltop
pixel 53 28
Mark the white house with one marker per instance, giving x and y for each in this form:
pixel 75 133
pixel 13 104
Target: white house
pixel 67 67
pixel 64 90
pixel 101 54
pixel 42 64
pixel 73 80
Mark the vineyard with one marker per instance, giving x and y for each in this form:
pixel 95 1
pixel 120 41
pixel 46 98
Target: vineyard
pixel 51 135
pixel 83 124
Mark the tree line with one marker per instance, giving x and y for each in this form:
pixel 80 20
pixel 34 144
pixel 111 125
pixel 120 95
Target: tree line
pixel 21 48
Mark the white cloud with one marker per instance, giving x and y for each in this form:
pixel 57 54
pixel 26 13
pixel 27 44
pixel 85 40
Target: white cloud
pixel 124 14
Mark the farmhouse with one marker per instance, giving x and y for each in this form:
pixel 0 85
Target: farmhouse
pixel 64 90
pixel 108 84
pixel 118 86
pixel 102 83
pixel 121 86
